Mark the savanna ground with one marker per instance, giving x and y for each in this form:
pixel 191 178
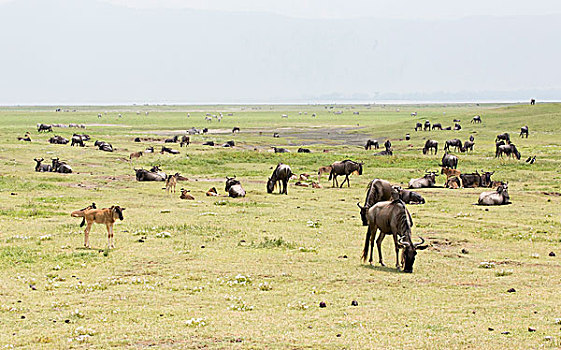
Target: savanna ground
pixel 250 273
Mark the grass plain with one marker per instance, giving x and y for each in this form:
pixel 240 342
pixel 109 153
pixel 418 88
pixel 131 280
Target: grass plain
pixel 250 273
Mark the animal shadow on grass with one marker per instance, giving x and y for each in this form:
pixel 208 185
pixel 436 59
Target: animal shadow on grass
pixel 387 269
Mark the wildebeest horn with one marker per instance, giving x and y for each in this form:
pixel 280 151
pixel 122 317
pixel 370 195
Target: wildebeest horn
pixel 422 241
pixel 358 204
pixel 401 242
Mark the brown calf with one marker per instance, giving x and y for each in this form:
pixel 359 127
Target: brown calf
pixel 186 195
pixel 450 172
pixel 106 216
pixel 136 155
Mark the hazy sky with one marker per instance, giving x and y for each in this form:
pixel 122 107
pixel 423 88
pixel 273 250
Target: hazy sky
pixel 224 51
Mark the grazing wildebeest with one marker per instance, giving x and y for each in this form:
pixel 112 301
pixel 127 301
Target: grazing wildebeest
pixel 44 128
pixel 137 139
pixel 171 182
pixel 103 146
pixel 229 144
pixel 41 168
pixel 60 167
pixel 59 140
pixel 208 143
pixel 476 119
pixel 174 139
pixel 392 218
pixel 418 126
pixel 371 143
pixel 429 146
pixel 426 125
pixel 409 197
pixel 388 145
pixel 449 161
pixel 378 190
pixel 168 150
pixel 532 102
pixel 303 150
pixel 345 167
pixel 106 216
pixel 323 170
pixel 185 140
pixel 471 180
pixel 428 180
pixel 456 143
pixel 282 173
pixel 77 140
pixel 437 126
pixel 236 128
pixel 457 126
pixel 145 175
pixel 510 150
pixel 135 155
pixel 504 136
pixel 468 146
pixel 280 150
pixel 524 131
pixel 498 197
pixel 453 182
pixel 449 172
pixel 234 187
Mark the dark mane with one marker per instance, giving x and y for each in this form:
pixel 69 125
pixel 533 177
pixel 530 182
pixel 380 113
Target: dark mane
pixel 404 220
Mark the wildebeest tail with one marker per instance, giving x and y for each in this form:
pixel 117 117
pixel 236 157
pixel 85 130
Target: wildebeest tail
pixel 366 244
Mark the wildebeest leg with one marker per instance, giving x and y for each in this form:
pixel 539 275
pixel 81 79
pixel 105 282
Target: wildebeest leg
pixel 112 240
pixel 108 235
pixel 87 235
pixel 285 186
pixel 396 244
pixel 366 242
pixel 379 245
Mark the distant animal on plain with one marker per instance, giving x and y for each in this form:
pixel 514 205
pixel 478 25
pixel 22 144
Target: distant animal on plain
pixel 498 197
pixel 323 170
pixel 345 167
pixel 234 187
pixel 135 155
pixel 106 216
pixel 430 145
pixel 281 174
pixel 476 119
pixel 304 150
pixel 370 144
pixel 428 180
pixel 524 131
pixel 171 182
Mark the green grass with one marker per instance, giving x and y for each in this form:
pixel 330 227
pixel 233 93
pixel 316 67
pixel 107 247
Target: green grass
pixel 255 270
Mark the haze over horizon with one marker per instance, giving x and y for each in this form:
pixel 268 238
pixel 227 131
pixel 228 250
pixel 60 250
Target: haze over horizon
pixel 192 51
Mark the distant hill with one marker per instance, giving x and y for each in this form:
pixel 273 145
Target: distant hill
pixel 86 51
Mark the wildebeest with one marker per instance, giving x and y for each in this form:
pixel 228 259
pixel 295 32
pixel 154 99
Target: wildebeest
pixel 437 126
pixel 41 168
pixel 428 180
pixel 476 119
pixel 486 178
pixel 453 182
pixel 60 167
pixel 371 143
pixel 208 143
pixel 185 140
pixel 59 140
pixel 532 102
pixel 498 197
pixel 407 137
pixel 470 180
pixel 106 216
pixel 26 137
pixel 235 129
pixel 468 146
pixel 323 170
pixel 280 150
pixel 146 175
pixel 457 126
pixel 449 161
pixel 174 139
pixel 456 143
pixel 171 182
pixel 524 131
pixel 212 192
pixel 205 130
pixel 449 172
pixel 229 144
pixel 427 125
pixel 44 128
pixel 392 218
pixel 103 146
pixel 418 126
pixel 384 153
pixel 409 197
pixel 234 187
pixel 429 146
pixel 510 150
pixel 345 167
pixel 168 150
pixel 504 136
pixel 149 150
pixel 303 150
pixel 448 128
pixel 77 140
pixel 388 145
pixel 135 155
pixel 137 139
pixel 276 135
pixel 378 190
pixel 282 173
pixel 185 195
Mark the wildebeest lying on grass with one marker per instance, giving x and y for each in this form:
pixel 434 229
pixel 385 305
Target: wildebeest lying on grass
pixel 106 216
pixel 409 197
pixel 41 168
pixel 280 150
pixel 282 173
pixel 60 167
pixel 428 180
pixel 135 155
pixel 103 146
pixel 234 187
pixel 212 192
pixel 168 150
pixel 498 197
pixel 230 144
pixel 26 137
pixel 453 182
pixel 378 190
pixel 172 140
pixel 185 195
pixel 304 150
pixel 345 167
pixel 392 218
pixel 145 175
pixel 58 140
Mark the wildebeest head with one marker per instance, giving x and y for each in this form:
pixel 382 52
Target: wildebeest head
pixel 486 178
pixel 270 185
pixel 359 168
pixel 118 210
pixel 409 252
pixel 230 181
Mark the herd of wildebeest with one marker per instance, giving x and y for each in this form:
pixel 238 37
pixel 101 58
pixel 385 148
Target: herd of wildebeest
pixel 384 208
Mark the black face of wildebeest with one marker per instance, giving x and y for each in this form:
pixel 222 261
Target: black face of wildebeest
pixel 409 253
